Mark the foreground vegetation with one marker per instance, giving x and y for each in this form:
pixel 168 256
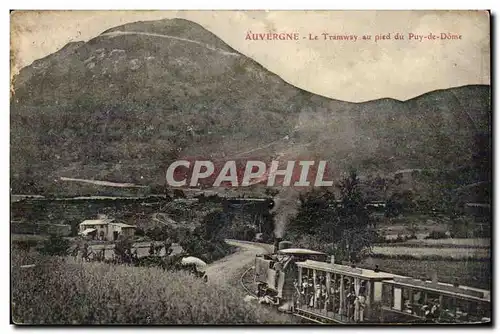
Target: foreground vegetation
pixel 61 291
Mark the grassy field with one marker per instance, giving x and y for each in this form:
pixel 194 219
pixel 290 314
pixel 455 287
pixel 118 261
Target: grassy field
pixel 452 242
pixel 61 291
pixel 442 243
pixel 471 273
pixel 444 252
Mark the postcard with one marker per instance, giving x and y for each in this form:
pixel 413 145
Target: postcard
pixel 250 167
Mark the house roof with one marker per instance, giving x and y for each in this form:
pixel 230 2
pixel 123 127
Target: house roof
pixel 301 251
pixel 122 225
pixel 96 222
pixel 88 230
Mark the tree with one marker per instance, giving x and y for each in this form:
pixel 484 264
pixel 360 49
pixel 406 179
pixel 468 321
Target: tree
pixel 161 232
pixel 343 228
pixel 212 225
pixel 355 221
pixel 265 226
pixel 400 202
pixel 123 249
pixel 207 241
pixel 317 214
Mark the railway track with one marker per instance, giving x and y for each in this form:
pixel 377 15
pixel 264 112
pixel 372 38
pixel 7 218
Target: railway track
pixel 246 281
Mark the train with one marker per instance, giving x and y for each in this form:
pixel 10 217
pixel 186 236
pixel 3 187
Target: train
pixel 311 285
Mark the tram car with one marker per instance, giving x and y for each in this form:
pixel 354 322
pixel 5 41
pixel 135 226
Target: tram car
pixel 311 285
pixel 407 299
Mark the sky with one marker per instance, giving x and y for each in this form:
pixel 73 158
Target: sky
pixel 354 71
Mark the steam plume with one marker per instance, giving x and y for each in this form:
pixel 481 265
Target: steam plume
pixel 286 207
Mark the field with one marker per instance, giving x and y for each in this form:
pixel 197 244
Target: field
pixel 62 291
pixel 471 273
pixel 423 252
pixel 451 242
pixel 463 260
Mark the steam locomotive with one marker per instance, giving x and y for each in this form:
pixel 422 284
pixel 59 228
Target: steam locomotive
pixel 311 285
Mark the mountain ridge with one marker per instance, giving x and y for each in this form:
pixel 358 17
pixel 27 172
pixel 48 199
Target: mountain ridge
pixel 120 107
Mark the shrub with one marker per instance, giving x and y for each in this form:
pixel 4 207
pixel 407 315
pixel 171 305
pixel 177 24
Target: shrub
pixel 179 194
pixel 271 192
pixel 139 232
pixel 55 245
pixel 242 232
pixel 208 251
pixel 482 231
pixel 412 236
pixel 160 233
pixel 25 245
pixel 382 239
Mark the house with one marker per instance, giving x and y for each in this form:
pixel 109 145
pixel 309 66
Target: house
pixel 105 228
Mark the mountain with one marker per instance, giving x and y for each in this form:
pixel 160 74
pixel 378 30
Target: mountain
pixel 123 105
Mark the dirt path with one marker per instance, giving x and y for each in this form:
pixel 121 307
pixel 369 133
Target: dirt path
pixel 121 33
pixel 103 183
pixel 228 269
